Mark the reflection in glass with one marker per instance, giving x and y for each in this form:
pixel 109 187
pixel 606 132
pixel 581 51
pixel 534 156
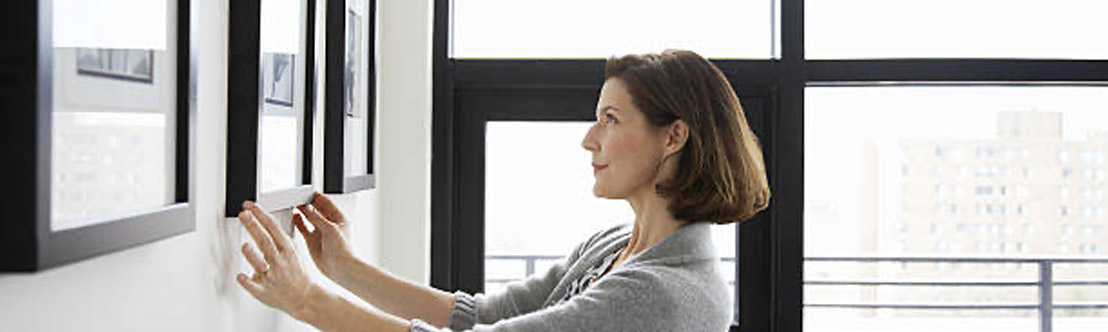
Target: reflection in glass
pixel 539 199
pixel 113 99
pixel 950 172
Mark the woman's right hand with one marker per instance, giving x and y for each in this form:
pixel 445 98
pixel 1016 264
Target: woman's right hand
pixel 326 242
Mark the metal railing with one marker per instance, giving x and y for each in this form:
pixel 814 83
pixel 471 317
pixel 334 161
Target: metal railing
pixel 1044 283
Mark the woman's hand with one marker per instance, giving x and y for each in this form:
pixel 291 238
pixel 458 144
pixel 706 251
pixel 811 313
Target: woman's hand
pixel 278 281
pixel 326 242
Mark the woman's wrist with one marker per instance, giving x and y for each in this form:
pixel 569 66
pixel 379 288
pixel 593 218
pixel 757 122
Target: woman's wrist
pixel 331 312
pixel 343 267
pixel 308 310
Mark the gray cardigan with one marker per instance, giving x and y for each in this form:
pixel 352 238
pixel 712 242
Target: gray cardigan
pixel 674 286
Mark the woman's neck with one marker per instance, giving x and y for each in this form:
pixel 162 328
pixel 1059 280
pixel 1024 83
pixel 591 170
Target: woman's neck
pixel 653 223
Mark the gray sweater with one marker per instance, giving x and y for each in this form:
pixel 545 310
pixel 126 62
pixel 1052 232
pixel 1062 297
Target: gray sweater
pixel 674 286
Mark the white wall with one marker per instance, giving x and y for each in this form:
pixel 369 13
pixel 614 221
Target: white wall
pixel 405 136
pixel 186 283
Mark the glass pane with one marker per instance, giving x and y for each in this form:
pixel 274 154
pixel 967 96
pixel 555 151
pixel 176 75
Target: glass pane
pixel 1063 29
pixel 114 106
pixel 994 174
pixel 539 203
pixel 599 29
pixel 356 94
pixel 282 83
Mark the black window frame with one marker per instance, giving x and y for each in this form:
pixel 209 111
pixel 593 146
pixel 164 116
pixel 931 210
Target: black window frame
pixel 468 93
pixel 26 65
pixel 245 108
pixel 335 179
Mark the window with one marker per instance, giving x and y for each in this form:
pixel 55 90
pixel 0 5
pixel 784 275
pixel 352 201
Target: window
pixel 852 226
pixel 598 29
pixel 271 101
pixel 837 29
pixel 872 78
pixel 1092 156
pixel 98 131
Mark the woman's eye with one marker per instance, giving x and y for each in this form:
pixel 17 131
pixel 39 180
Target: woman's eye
pixel 609 118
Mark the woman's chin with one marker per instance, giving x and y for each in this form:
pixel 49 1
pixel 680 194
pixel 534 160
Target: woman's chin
pixel 601 193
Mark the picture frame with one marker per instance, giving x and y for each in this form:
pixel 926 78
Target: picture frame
pixel 350 101
pixel 258 87
pixel 36 240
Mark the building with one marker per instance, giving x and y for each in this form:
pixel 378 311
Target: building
pixel 1025 193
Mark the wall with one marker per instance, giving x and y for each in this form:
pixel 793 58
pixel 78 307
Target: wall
pixel 185 283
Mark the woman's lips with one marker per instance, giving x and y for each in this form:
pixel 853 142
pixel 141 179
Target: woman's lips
pixel 597 168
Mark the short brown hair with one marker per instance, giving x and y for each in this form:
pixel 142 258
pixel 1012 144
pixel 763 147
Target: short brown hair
pixel 720 173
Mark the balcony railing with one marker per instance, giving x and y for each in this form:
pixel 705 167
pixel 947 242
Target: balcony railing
pixel 1044 283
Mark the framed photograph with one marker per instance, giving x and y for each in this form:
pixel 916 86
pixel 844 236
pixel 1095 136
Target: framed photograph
pixel 350 114
pixel 270 103
pixel 353 54
pixel 124 64
pixel 103 164
pixel 277 78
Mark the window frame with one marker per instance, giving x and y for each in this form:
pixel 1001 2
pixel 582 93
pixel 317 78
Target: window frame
pixel 770 247
pixel 244 61
pixel 335 179
pixel 29 244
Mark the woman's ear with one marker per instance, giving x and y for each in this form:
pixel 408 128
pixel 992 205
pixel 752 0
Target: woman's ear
pixel 677 134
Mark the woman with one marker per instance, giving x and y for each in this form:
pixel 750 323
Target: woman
pixel 670 138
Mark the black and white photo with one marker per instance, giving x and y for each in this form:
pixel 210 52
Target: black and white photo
pixel 277 78
pixel 125 64
pixel 353 53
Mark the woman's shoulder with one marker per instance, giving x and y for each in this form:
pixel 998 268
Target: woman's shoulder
pixel 672 293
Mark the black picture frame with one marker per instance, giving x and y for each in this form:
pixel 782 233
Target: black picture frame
pixel 245 106
pixel 27 65
pixel 341 88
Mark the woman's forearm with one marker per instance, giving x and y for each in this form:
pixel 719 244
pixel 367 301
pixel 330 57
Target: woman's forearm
pixel 333 313
pixel 396 296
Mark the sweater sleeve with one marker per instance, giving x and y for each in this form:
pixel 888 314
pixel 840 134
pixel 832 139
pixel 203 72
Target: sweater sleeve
pixel 624 300
pixel 517 298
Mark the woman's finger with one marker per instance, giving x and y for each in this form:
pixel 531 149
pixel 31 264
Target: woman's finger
pixel 317 219
pixel 280 239
pixel 327 208
pixel 255 289
pixel 255 260
pixel 313 216
pixel 298 221
pixel 260 236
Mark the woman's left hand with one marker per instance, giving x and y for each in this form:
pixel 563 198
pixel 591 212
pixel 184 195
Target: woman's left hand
pixel 278 280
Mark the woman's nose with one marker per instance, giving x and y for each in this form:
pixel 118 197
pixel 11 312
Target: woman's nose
pixel 588 142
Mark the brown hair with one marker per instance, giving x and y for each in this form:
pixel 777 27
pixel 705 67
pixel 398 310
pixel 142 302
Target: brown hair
pixel 720 174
